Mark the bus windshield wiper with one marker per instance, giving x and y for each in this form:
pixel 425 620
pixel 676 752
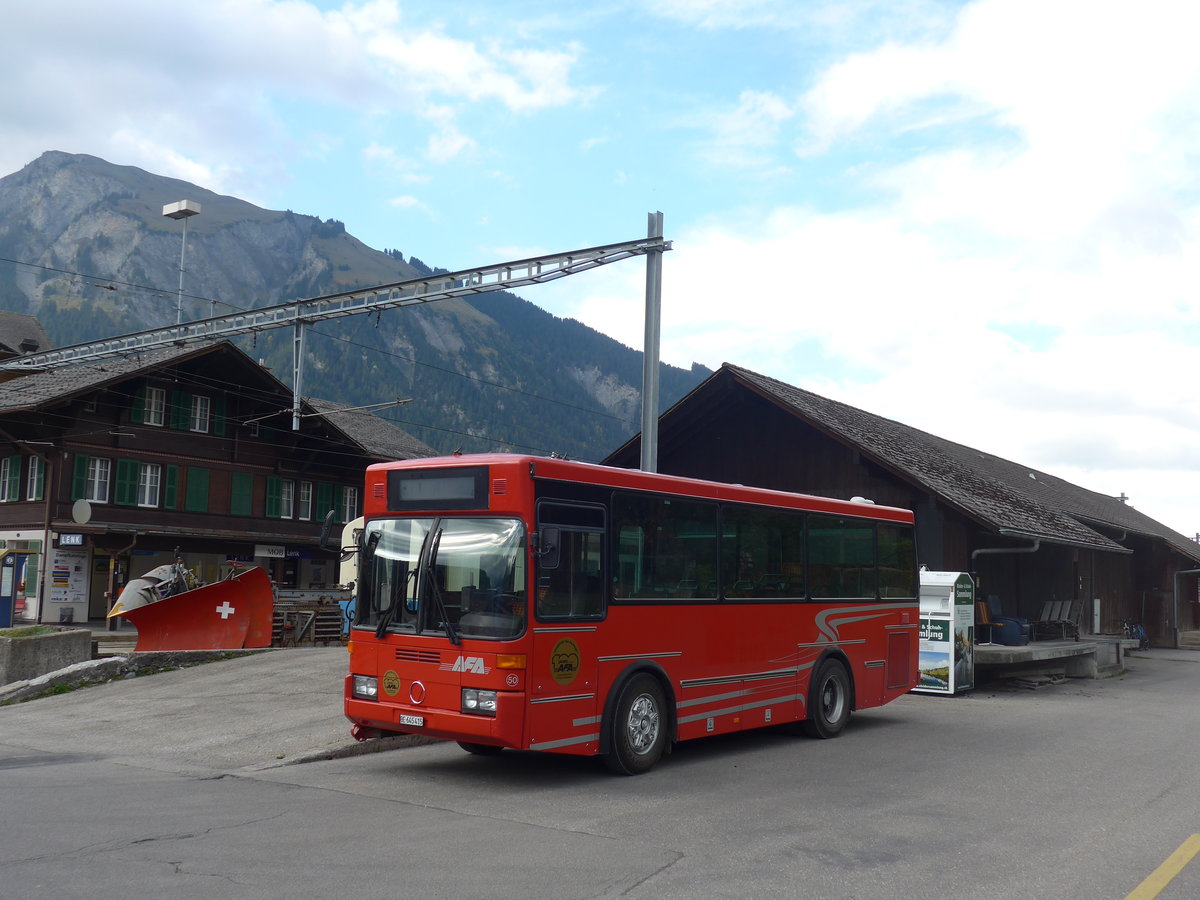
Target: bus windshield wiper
pixel 436 592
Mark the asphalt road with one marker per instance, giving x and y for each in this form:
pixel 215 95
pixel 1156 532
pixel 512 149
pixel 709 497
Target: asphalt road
pixel 175 785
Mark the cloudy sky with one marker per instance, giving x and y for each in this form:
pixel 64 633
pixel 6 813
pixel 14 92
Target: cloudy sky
pixel 978 218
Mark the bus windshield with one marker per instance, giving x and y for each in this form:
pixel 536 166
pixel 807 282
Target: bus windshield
pixel 459 577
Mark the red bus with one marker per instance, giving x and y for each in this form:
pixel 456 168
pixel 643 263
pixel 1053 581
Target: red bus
pixel 519 602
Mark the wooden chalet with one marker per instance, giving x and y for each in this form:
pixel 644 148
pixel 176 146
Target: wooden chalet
pixel 1028 536
pixel 106 468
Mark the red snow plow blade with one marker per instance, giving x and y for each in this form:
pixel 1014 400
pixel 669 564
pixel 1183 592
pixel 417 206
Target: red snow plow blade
pixel 228 615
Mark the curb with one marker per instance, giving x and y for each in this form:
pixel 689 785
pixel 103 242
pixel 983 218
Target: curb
pixel 348 750
pixel 98 671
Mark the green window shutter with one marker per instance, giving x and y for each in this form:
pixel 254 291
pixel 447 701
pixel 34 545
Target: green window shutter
pixel 324 501
pixel 196 499
pixel 272 510
pixel 181 410
pixel 127 483
pixel 218 415
pixel 137 415
pixel 79 477
pixel 12 488
pixel 241 494
pixel 171 488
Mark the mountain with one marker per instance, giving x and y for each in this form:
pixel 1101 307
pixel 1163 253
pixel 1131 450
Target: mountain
pixel 85 248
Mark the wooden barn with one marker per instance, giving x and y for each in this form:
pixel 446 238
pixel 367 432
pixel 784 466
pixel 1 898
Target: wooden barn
pixel 1029 537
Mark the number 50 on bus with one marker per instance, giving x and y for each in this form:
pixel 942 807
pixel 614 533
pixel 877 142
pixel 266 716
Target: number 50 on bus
pixel 518 602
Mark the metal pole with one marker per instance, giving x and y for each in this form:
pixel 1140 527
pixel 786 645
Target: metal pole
pixel 297 371
pixel 179 297
pixel 650 349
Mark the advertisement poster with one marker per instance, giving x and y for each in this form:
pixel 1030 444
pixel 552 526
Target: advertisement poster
pixel 936 654
pixel 69 576
pixel 946 646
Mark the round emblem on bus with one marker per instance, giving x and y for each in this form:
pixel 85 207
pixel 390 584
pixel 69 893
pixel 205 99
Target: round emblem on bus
pixel 512 679
pixel 416 692
pixel 391 683
pixel 564 661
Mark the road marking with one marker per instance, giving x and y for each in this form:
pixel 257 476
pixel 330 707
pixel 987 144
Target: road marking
pixel 1157 880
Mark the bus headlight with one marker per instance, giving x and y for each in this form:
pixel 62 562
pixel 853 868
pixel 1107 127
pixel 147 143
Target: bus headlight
pixel 478 703
pixel 366 687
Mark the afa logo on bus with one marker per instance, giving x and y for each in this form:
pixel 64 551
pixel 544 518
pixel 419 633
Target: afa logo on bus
pixel 564 661
pixel 469 664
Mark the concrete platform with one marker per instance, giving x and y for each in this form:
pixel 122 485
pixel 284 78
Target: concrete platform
pixel 1090 657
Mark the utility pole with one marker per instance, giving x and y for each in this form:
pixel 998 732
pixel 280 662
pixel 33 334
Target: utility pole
pixel 183 209
pixel 650 352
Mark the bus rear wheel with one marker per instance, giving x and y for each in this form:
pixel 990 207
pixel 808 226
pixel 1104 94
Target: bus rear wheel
pixel 480 749
pixel 639 727
pixel 828 701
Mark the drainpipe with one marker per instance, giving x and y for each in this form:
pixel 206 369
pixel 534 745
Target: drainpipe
pixel 1175 603
pixel 111 624
pixel 991 551
pixel 982 551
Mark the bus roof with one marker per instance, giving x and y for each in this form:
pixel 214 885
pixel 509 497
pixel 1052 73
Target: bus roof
pixel 635 479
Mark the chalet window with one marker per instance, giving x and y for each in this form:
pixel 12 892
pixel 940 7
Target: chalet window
pixel 280 498
pixel 95 487
pixel 305 501
pixel 349 504
pixel 10 478
pixel 155 406
pixel 241 494
pixel 196 496
pixel 149 480
pixel 201 414
pixel 35 485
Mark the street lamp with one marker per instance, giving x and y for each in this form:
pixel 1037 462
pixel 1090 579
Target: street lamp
pixel 184 209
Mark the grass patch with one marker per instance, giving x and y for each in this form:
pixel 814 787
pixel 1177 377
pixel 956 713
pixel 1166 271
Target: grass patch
pixel 28 631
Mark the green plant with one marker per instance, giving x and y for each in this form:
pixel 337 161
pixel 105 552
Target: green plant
pixel 27 631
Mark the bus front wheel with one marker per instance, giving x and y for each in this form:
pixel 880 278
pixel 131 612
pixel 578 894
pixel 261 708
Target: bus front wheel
pixel 639 727
pixel 828 701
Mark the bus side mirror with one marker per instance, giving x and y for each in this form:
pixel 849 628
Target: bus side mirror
pixel 547 549
pixel 325 542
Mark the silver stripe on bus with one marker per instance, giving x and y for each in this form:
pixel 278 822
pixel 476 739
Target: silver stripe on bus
pixel 912 627
pixel 731 679
pixel 833 643
pixel 563 629
pixel 590 720
pixel 713 698
pixel 640 656
pixel 736 709
pixel 564 742
pixel 563 699
pixel 875 664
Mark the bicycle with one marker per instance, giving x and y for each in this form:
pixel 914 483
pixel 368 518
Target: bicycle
pixel 1135 631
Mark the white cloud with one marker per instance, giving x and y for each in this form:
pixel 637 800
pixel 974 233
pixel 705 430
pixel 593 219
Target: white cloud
pixel 217 80
pixel 407 201
pixel 748 134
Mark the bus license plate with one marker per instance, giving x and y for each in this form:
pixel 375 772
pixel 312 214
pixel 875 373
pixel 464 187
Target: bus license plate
pixel 419 721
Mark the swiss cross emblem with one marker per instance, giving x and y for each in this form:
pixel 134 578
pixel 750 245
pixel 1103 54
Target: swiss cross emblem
pixel 226 610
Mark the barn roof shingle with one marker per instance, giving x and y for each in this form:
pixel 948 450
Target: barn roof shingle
pixel 1008 497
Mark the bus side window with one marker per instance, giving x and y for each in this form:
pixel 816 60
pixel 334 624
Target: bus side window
pixel 572 588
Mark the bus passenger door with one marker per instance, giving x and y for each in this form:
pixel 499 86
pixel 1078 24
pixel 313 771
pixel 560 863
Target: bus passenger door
pixel 564 709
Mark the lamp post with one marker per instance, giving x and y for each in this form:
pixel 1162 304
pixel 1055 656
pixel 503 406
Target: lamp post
pixel 184 209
